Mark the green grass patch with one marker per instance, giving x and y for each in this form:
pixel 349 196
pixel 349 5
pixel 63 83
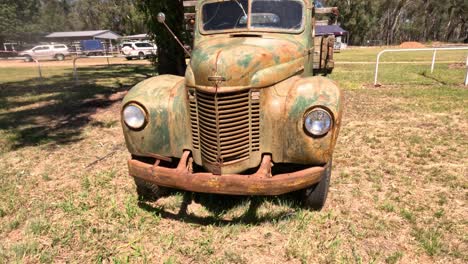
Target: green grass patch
pixel 396 192
pixel 430 240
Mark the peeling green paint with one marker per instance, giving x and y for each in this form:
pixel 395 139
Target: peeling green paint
pixel 277 59
pixel 160 130
pixel 301 105
pixel 244 62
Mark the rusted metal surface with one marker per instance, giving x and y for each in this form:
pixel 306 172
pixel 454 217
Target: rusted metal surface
pixel 259 183
pixel 244 97
pixel 244 62
pixel 167 133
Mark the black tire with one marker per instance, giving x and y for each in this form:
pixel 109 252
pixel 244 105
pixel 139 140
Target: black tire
pixel 150 192
pixel 59 57
pixel 129 58
pixel 141 56
pixel 28 59
pixel 314 198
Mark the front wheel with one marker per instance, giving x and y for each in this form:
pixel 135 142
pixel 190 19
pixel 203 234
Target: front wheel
pixel 59 57
pixel 148 191
pixel 314 198
pixel 28 59
pixel 141 56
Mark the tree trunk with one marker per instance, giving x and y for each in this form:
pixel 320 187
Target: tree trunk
pixel 171 56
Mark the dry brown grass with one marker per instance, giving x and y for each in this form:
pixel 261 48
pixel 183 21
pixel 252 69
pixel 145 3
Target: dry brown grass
pixel 398 193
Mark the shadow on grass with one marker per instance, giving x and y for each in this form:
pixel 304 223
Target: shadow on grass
pixel 55 110
pixel 219 205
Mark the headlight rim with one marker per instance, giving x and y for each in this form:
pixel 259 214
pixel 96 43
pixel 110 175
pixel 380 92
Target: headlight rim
pixel 320 108
pixel 142 108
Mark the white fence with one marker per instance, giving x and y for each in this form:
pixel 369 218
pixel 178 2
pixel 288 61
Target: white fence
pixel 75 65
pixel 414 50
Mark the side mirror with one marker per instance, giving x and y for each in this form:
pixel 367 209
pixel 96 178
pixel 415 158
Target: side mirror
pixel 161 17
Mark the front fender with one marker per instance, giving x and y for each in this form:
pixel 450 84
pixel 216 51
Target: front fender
pixel 285 106
pixel 167 132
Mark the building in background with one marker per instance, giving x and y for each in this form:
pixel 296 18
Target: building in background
pixel 73 38
pixel 138 37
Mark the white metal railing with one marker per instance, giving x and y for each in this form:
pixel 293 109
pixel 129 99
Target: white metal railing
pixel 411 50
pixel 75 68
pixel 466 77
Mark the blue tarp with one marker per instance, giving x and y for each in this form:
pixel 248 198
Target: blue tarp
pixel 318 4
pixel 330 30
pixel 91 45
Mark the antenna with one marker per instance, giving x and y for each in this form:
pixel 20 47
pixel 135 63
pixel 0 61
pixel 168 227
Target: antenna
pixel 161 17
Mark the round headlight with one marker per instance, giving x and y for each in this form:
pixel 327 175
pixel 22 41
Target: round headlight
pixel 318 122
pixel 134 116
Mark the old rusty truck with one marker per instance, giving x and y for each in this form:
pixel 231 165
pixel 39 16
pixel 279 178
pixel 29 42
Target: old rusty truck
pixel 252 116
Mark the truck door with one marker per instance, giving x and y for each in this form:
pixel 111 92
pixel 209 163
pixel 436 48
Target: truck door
pixel 42 52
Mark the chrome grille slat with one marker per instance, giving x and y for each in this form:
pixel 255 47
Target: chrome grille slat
pixel 228 126
pixel 194 123
pixel 240 152
pixel 235 136
pixel 255 126
pixel 235 141
pixel 231 124
pixel 244 127
pixel 240 114
pixel 243 104
pixel 230 120
pixel 225 97
pixel 229 111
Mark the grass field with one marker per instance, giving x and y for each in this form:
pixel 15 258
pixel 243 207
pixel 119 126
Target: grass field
pixel 398 191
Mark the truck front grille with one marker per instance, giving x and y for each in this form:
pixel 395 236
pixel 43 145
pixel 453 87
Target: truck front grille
pixel 228 125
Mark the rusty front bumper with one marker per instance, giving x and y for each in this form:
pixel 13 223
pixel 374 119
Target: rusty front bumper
pixel 260 183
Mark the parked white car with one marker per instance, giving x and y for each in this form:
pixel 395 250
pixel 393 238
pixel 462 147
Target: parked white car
pixel 140 50
pixel 43 52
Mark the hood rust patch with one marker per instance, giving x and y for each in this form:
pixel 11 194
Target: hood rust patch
pixel 237 60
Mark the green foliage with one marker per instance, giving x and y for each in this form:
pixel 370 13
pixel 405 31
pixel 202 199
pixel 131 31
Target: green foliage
pixel 395 21
pixel 20 17
pixel 171 57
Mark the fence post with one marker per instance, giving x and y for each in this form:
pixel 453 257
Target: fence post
pixel 39 68
pixel 433 60
pixel 466 77
pixel 75 73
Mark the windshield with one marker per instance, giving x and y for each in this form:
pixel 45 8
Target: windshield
pixel 264 14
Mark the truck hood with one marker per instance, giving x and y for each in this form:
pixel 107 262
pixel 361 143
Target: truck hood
pixel 244 62
pixel 25 52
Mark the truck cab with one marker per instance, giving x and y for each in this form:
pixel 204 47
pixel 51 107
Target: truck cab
pixel 251 116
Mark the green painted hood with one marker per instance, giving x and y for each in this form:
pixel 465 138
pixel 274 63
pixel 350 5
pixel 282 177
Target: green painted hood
pixel 244 61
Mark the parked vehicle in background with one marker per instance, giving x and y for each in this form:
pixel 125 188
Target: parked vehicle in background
pixel 337 47
pixel 140 50
pixel 92 47
pixel 8 50
pixel 43 52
